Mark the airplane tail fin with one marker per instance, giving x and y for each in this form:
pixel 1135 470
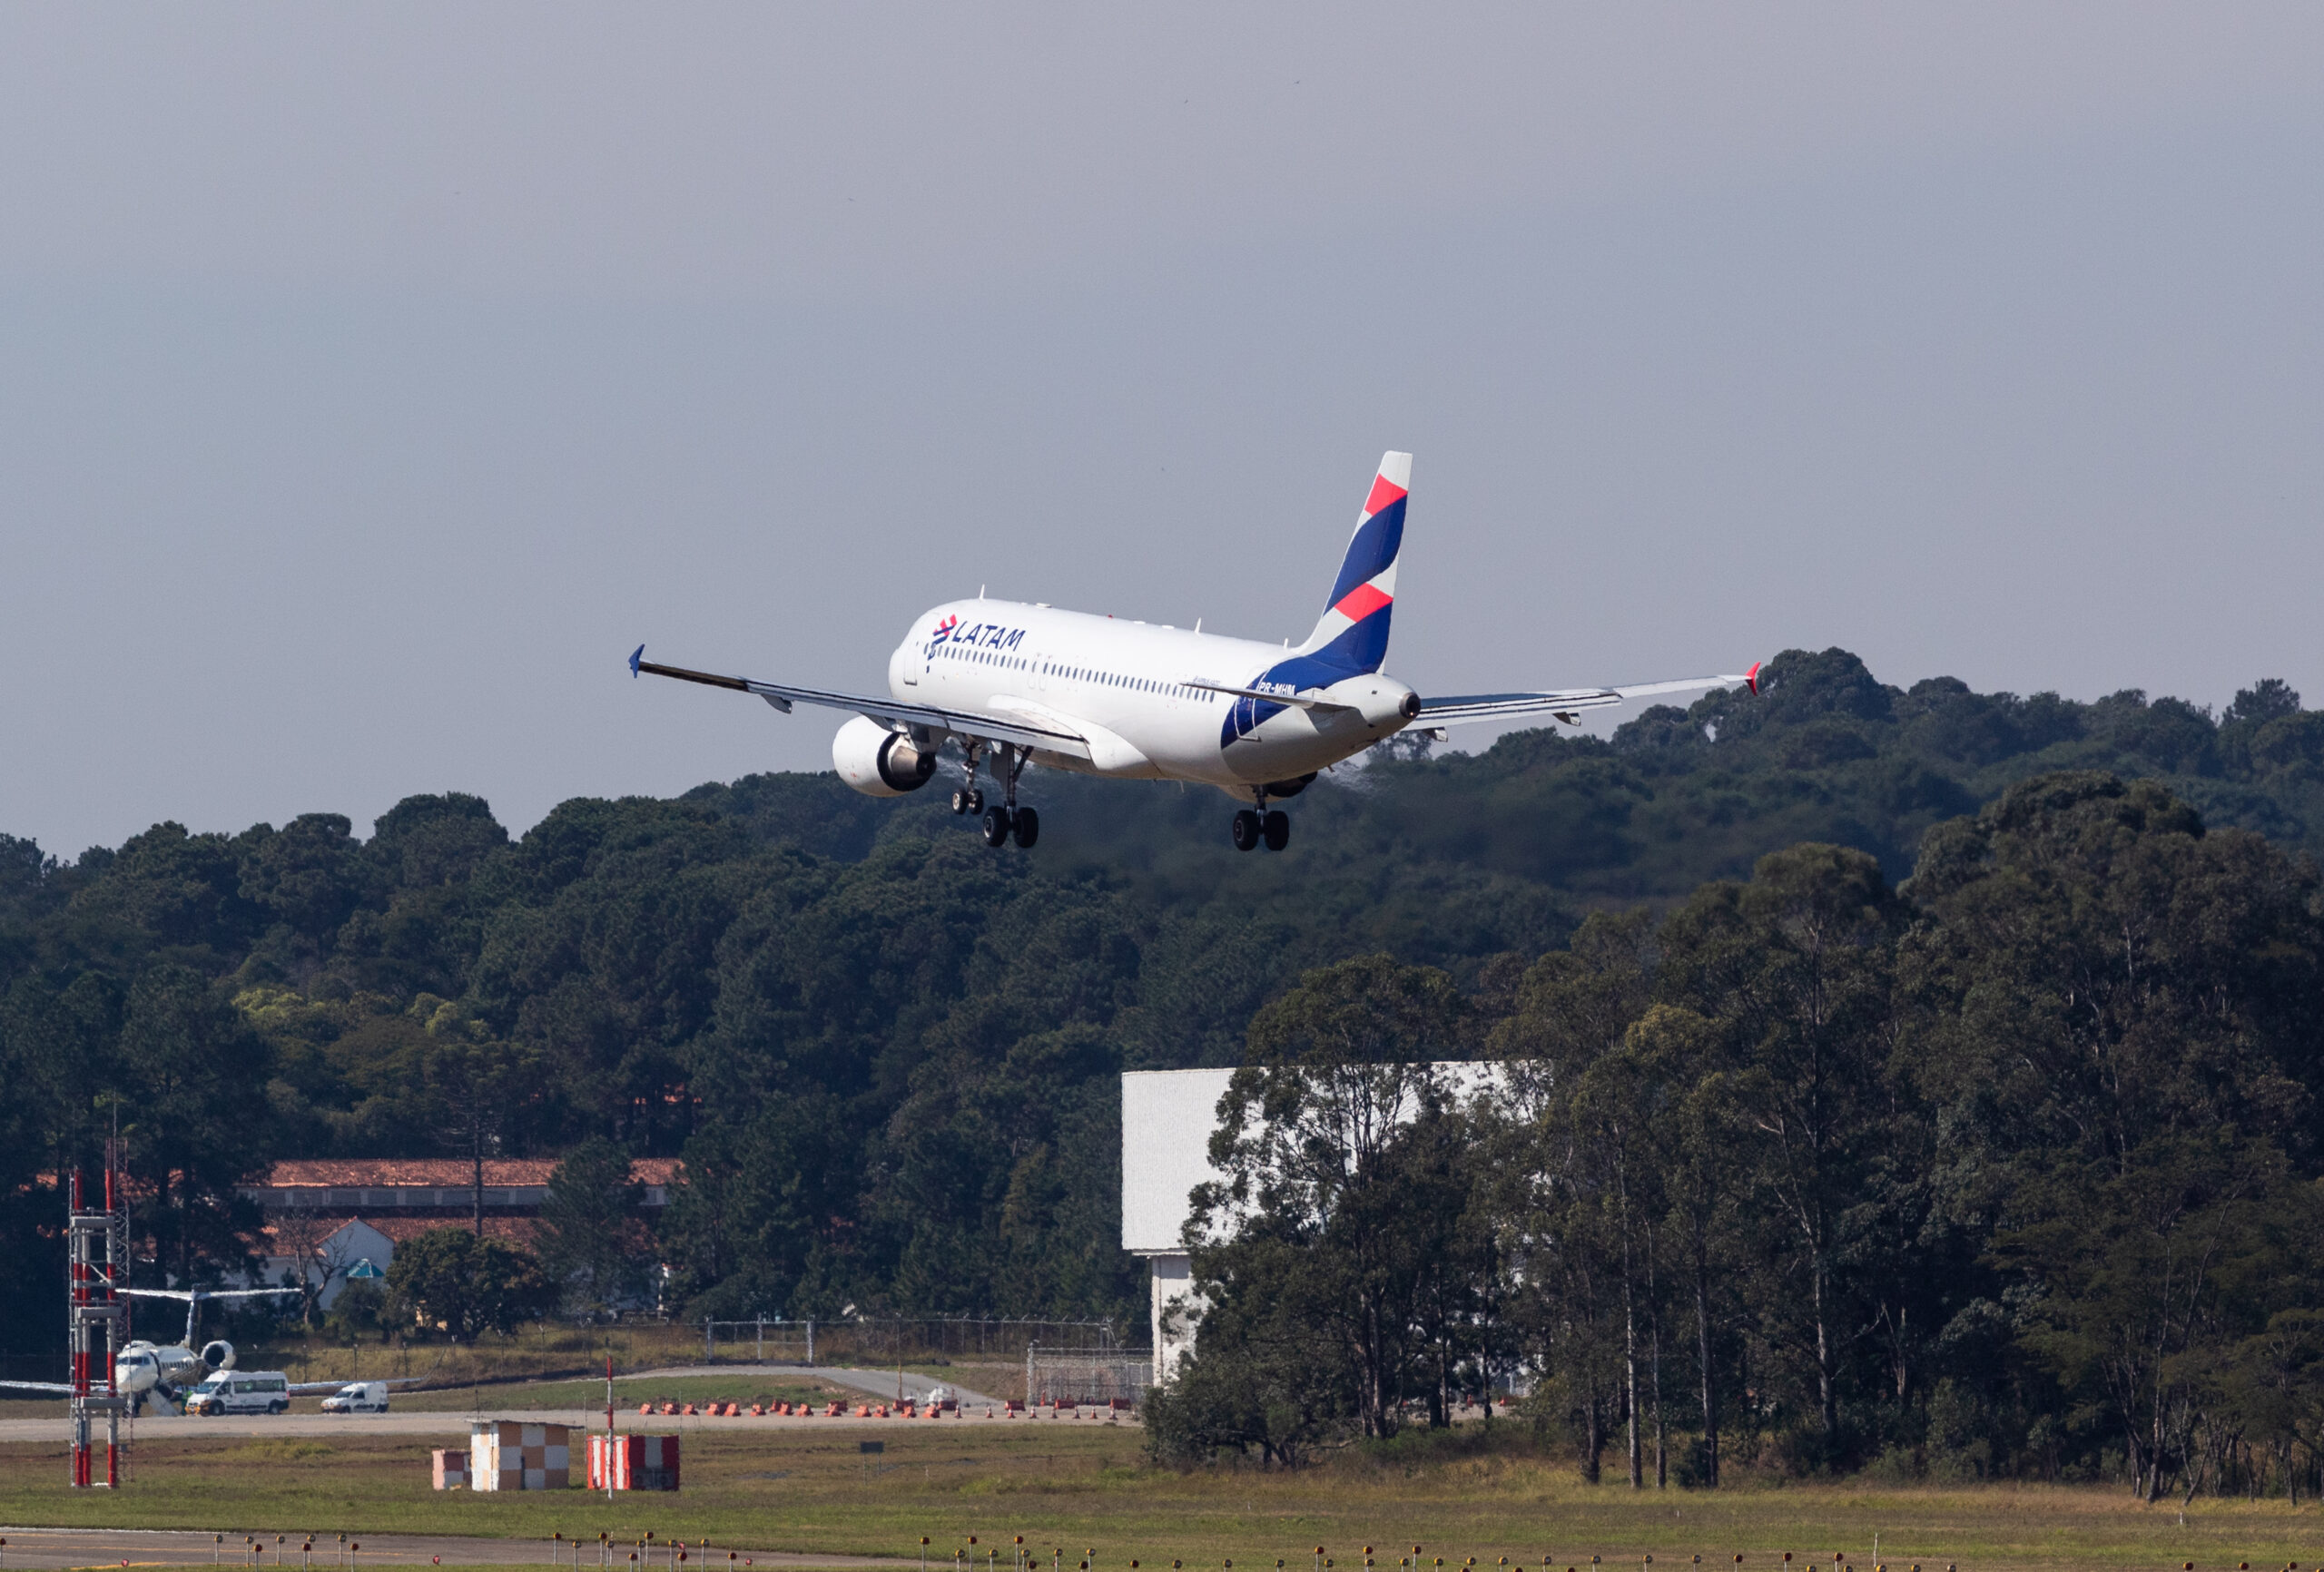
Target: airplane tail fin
pixel 1352 635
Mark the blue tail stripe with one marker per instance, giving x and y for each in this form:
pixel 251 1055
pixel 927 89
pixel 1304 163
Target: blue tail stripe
pixel 1358 649
pixel 1375 546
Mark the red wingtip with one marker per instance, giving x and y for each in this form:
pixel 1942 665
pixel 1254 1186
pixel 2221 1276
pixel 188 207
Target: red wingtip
pixel 1751 678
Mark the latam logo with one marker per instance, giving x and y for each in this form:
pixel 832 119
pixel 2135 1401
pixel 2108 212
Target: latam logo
pixel 982 635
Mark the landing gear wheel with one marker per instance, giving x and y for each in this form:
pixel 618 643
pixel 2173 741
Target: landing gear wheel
pixel 961 802
pixel 1247 830
pixel 1027 827
pixel 976 799
pixel 1275 829
pixel 996 826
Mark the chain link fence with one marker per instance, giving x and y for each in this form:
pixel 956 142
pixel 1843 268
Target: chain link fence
pixel 1073 1376
pixel 881 1343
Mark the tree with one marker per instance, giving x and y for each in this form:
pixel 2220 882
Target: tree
pixel 475 1083
pixel 198 1075
pixel 1571 1243
pixel 1795 966
pixel 465 1283
pixel 591 1243
pixel 1321 1143
pixel 316 1242
pixel 2269 699
pixel 1700 1139
pixel 2135 1270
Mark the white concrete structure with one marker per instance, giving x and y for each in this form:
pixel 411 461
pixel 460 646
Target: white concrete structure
pixel 1168 1120
pixel 1168 1117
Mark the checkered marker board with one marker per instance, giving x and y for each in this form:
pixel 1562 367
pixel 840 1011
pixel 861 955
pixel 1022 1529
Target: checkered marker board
pixel 508 1455
pixel 449 1466
pixel 633 1462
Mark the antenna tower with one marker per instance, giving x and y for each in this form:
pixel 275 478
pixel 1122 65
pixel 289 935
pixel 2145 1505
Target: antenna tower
pixel 98 1315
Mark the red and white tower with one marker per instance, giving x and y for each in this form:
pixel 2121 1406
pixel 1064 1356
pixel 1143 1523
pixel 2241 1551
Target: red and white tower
pixel 98 1315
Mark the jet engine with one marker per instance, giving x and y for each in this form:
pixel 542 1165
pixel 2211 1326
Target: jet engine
pixel 217 1354
pixel 880 762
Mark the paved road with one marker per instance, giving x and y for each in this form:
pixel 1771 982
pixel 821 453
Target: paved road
pixel 879 1383
pixel 54 1548
pixel 975 1408
pixel 306 1421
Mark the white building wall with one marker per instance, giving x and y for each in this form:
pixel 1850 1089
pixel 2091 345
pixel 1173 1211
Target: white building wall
pixel 1168 1120
pixel 1168 1117
pixel 1171 1277
pixel 353 1241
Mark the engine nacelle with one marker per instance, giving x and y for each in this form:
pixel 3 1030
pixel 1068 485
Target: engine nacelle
pixel 218 1355
pixel 879 762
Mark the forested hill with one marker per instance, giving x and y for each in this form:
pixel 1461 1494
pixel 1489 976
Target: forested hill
pixel 885 1051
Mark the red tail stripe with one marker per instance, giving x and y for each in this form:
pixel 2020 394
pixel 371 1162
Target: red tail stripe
pixel 1383 492
pixel 1362 600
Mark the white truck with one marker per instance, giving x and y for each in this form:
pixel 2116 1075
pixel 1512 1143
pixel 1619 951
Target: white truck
pixel 241 1392
pixel 357 1397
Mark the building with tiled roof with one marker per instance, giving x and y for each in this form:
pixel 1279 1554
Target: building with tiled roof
pixel 323 1215
pixel 437 1187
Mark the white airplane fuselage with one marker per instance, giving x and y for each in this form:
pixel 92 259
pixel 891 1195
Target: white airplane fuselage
pixel 1125 686
pixel 1002 683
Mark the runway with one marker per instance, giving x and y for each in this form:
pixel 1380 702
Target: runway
pixel 58 1547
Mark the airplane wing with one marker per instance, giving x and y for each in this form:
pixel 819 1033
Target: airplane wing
pixel 972 723
pixel 182 1293
pixel 1564 703
pixel 57 1388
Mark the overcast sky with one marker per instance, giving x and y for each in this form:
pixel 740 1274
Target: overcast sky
pixel 372 379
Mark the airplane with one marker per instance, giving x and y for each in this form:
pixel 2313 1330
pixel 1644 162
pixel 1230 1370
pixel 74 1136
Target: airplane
pixel 146 1372
pixel 1015 683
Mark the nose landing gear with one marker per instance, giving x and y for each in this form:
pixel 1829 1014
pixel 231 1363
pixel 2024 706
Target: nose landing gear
pixel 1253 826
pixel 968 798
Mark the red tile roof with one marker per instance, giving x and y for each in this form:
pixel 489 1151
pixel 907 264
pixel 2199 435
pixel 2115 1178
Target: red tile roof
pixel 439 1172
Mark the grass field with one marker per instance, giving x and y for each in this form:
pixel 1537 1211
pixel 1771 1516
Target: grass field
pixel 1084 1488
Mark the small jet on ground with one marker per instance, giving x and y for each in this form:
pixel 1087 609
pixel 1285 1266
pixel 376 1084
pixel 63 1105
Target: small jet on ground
pixel 1014 684
pixel 157 1376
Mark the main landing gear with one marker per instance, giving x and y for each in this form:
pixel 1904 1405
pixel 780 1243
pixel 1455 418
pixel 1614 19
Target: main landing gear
pixel 1004 819
pixel 1262 823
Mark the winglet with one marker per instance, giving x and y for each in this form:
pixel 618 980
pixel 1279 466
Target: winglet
pixel 638 655
pixel 1750 678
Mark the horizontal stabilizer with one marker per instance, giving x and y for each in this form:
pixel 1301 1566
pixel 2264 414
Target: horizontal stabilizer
pixel 1568 702
pixel 1296 700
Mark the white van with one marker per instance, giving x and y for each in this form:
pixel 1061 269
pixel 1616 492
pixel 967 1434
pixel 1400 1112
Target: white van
pixel 357 1397
pixel 241 1392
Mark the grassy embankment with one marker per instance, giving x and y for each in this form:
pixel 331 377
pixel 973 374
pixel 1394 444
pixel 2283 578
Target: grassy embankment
pixel 1083 1486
